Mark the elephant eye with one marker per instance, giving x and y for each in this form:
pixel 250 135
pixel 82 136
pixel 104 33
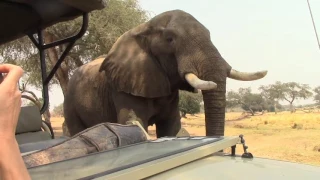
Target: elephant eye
pixel 169 36
pixel 169 39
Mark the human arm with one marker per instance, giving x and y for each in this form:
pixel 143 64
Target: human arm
pixel 11 163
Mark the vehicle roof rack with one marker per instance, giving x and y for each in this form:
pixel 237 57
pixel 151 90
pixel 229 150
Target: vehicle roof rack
pixel 36 15
pixel 42 47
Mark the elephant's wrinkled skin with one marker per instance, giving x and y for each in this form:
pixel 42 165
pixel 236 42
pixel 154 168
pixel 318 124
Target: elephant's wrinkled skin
pixel 144 70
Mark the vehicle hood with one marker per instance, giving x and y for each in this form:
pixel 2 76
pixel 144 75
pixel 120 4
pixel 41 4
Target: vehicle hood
pixel 226 167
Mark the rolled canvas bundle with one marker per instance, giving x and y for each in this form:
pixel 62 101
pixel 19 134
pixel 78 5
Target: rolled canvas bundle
pixel 98 138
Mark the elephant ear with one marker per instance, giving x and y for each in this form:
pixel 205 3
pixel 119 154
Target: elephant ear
pixel 130 67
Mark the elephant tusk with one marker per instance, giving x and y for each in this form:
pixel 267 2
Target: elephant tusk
pixel 247 76
pixel 197 83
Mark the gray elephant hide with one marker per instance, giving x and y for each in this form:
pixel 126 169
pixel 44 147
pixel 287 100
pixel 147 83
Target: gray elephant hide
pixel 101 137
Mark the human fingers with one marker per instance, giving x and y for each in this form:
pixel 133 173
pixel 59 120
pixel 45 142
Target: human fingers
pixel 14 73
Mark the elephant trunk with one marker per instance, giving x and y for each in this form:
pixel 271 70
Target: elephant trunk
pixel 214 106
pixel 207 71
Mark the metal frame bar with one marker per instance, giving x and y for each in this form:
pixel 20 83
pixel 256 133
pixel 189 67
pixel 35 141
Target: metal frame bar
pixel 42 47
pixel 233 150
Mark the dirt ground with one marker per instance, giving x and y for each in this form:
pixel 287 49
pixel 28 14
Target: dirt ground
pixel 283 136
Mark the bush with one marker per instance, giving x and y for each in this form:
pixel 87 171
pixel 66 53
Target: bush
pixel 189 102
pixel 297 126
pixel 316 148
pixel 58 111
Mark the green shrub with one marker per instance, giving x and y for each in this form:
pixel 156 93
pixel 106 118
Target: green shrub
pixel 189 102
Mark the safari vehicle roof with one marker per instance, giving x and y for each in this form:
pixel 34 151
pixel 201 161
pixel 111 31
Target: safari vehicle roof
pixel 29 17
pixel 25 17
pixel 174 158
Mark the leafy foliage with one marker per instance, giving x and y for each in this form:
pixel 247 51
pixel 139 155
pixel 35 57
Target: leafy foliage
pixel 292 91
pixel 289 92
pixel 317 95
pixel 272 94
pixel 273 106
pixel 58 110
pixel 249 101
pixel 189 102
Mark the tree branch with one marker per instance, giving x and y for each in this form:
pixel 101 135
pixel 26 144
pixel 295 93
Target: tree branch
pixel 293 98
pixel 32 93
pixel 32 99
pixel 286 99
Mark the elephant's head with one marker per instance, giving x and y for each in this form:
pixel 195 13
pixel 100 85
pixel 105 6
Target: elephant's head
pixel 173 51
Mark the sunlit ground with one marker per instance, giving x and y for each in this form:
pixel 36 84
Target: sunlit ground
pixel 284 136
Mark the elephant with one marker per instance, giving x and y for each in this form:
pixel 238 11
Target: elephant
pixel 144 71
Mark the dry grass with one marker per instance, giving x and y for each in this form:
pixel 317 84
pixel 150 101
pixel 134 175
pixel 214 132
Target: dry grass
pixel 283 136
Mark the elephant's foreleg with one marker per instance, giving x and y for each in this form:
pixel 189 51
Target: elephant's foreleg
pixel 125 115
pixel 168 122
pixel 168 127
pixel 74 123
pixel 130 107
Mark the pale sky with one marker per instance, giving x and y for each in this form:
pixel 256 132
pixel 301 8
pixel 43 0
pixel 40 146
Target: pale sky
pixel 253 35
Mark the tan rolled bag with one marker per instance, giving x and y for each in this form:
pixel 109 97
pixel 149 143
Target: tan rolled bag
pixel 101 137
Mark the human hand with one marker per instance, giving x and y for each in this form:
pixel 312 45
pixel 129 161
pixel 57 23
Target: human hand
pixel 10 98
